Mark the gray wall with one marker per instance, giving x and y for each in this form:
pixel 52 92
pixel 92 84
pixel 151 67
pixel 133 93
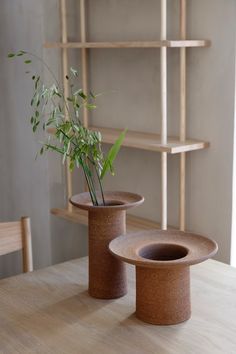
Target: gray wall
pixel 130 79
pixel 24 182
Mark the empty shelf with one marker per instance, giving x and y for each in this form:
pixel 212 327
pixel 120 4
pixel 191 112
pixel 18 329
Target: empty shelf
pixel 131 44
pixel 81 217
pixel 150 141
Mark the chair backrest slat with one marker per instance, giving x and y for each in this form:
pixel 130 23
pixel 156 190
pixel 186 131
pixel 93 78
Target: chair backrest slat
pixel 15 236
pixel 10 237
pixel 27 245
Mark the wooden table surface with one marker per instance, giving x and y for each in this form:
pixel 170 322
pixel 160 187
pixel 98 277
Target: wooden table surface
pixel 49 311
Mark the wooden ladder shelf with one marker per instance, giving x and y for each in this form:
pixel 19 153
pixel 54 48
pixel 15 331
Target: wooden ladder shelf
pixel 138 140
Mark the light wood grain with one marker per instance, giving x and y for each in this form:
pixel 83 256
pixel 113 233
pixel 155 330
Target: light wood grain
pixel 131 44
pixel 182 134
pixel 163 61
pixel 182 191
pixel 84 65
pixel 16 236
pixel 65 87
pixel 134 223
pixel 10 237
pixel 84 58
pixel 147 141
pixel 27 245
pixel 49 311
pixel 164 191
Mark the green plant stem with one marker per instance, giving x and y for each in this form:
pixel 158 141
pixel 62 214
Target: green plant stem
pixel 89 179
pixel 92 189
pixel 92 184
pixel 89 188
pixel 89 183
pixel 67 136
pixel 100 185
pixel 99 180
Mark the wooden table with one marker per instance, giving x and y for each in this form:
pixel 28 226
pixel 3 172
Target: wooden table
pixel 49 311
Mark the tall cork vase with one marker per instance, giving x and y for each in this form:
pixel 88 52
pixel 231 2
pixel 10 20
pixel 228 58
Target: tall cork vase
pixel 107 274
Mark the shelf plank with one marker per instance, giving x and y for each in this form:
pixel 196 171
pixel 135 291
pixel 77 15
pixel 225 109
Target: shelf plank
pixel 74 214
pixel 132 44
pixel 150 141
pixel 78 216
pixel 147 141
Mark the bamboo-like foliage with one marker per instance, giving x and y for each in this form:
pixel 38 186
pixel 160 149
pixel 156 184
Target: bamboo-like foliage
pixel 70 139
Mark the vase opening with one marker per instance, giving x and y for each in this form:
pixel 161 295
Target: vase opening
pixel 163 252
pixel 113 202
pixel 107 203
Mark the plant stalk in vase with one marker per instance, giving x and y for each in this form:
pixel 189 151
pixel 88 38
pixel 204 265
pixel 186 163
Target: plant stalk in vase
pixel 82 147
pixel 60 114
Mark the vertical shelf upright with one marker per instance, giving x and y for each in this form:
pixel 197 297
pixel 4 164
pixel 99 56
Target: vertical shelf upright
pixel 84 58
pixel 163 61
pixel 182 130
pixel 137 140
pixel 64 60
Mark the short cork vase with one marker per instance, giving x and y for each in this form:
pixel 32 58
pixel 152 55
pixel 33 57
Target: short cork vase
pixel 107 274
pixel 163 260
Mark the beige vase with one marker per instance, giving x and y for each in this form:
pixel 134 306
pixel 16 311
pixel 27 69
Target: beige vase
pixel 107 274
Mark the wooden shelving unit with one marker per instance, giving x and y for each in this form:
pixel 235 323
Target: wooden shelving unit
pixel 138 140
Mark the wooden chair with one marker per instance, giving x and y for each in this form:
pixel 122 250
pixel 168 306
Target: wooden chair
pixel 15 236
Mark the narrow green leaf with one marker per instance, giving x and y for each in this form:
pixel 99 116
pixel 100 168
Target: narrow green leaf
pixel 82 95
pixel 75 93
pixel 55 148
pixel 91 106
pixel 74 71
pixel 72 165
pixel 28 61
pixel 11 55
pixel 108 164
pixel 19 54
pixel 91 94
pixel 64 157
pixel 36 83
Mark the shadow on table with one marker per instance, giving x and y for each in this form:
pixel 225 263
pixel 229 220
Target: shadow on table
pixel 78 307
